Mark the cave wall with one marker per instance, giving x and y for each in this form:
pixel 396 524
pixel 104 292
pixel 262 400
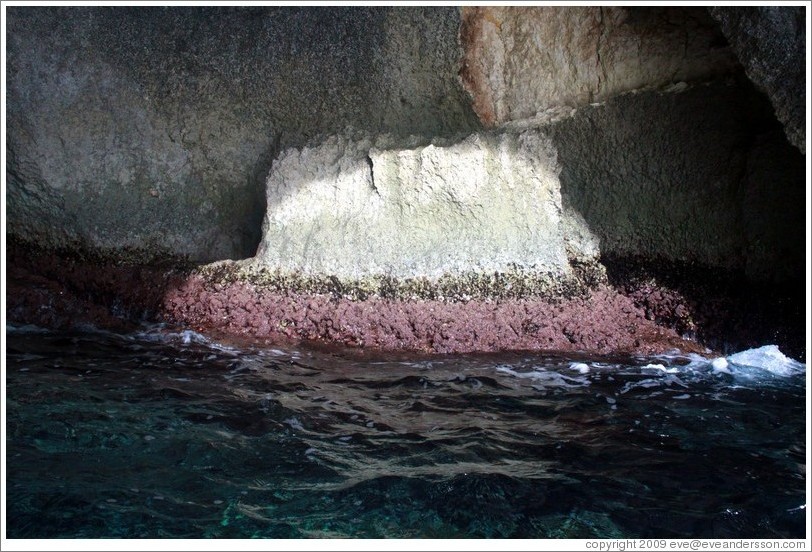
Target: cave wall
pixel 519 62
pixel 770 42
pixel 703 176
pixel 154 128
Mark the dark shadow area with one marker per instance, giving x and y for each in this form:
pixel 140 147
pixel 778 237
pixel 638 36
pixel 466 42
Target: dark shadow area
pixel 722 309
pixel 699 202
pixel 252 226
pixel 703 176
pixel 75 288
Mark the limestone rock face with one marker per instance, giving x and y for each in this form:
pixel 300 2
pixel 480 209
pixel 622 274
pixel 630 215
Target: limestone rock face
pixel 687 177
pixel 519 62
pixel 702 176
pixel 155 128
pixel 354 207
pixel 770 42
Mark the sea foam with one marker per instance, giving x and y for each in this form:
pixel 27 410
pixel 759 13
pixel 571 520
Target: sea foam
pixel 767 358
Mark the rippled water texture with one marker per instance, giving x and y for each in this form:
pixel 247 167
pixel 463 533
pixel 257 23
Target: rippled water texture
pixel 162 434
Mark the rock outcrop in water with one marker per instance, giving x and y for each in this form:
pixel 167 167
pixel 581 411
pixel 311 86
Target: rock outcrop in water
pixel 354 208
pixel 625 140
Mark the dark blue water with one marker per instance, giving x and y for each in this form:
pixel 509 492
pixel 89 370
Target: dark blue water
pixel 163 434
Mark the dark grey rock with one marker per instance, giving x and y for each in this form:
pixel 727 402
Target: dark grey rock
pixel 155 128
pixel 703 176
pixel 770 42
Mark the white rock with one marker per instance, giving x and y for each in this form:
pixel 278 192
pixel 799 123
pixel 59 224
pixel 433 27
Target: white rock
pixel 354 207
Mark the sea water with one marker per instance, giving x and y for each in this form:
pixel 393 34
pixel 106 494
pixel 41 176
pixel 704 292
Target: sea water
pixel 166 434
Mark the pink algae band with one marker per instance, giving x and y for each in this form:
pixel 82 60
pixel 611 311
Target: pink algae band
pixel 603 322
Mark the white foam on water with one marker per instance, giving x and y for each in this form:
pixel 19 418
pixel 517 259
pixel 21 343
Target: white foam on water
pixel 720 366
pixel 545 379
pixel 665 381
pixel 660 367
pixel 767 358
pixel 159 333
pixel 504 369
pixel 749 365
pixel 294 423
pixel 675 373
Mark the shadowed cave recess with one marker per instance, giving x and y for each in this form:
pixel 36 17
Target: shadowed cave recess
pixel 595 179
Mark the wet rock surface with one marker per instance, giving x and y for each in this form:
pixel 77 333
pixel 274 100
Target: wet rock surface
pixel 66 289
pixel 644 308
pixel 601 322
pixel 722 309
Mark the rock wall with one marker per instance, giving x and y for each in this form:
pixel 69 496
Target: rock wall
pixel 355 207
pixel 519 62
pixel 702 176
pixel 346 147
pixel 669 176
pixel 770 42
pixel 154 128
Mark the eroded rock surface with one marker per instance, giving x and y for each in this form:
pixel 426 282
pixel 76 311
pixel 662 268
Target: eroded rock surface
pixel 360 207
pixel 523 61
pixel 770 42
pixel 393 220
pixel 682 176
pixel 702 176
pixel 155 127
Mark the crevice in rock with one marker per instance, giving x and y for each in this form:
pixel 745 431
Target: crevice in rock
pixel 601 69
pixel 371 166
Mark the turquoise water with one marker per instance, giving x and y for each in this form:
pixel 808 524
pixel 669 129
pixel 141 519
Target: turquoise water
pixel 165 434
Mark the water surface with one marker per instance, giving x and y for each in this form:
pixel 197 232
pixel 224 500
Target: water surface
pixel 165 434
